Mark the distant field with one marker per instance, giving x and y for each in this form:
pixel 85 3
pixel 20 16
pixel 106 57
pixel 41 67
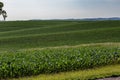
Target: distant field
pixel 43 47
pixel 31 34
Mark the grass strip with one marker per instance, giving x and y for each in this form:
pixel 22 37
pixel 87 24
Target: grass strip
pixel 90 74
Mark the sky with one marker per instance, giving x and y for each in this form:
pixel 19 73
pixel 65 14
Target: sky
pixel 60 9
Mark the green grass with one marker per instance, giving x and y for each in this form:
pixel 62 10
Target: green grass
pixel 89 74
pixel 34 34
pixel 30 48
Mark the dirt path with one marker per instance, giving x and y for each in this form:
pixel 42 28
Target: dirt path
pixel 115 78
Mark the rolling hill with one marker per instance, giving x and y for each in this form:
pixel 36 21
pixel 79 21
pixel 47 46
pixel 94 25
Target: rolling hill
pixel 34 34
pixel 29 48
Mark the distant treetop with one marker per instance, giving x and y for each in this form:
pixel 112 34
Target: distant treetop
pixel 1 4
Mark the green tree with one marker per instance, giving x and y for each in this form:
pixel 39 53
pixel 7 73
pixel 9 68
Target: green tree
pixel 3 12
pixel 1 5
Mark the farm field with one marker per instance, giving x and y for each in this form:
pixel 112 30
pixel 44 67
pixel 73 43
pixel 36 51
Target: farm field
pixel 30 48
pixel 39 34
pixel 89 74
